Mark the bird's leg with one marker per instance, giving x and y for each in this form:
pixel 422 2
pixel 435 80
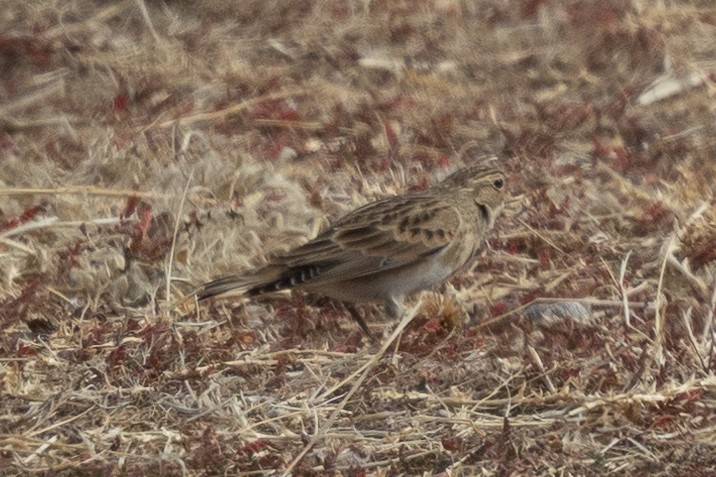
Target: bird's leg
pixel 349 307
pixel 394 307
pixel 355 314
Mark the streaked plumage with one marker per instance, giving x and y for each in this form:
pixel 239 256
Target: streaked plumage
pixel 387 249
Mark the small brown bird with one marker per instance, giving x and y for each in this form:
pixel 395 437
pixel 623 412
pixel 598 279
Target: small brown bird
pixel 388 249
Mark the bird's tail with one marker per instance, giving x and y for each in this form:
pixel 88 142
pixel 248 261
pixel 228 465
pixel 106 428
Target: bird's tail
pixel 222 285
pixel 262 281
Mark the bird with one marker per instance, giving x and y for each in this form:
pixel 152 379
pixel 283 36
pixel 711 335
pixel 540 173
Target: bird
pixel 386 250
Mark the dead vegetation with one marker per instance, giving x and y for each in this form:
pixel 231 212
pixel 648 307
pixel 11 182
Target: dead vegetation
pixel 143 140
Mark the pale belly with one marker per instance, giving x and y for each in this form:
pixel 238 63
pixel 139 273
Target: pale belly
pixel 390 285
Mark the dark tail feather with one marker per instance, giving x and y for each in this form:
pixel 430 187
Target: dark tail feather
pixel 266 280
pixel 221 286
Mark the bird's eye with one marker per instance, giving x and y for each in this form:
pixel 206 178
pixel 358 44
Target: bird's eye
pixel 498 184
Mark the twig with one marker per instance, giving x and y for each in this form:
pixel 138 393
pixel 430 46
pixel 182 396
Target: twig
pixel 79 190
pixel 51 90
pixel 692 339
pixel 52 222
pixel 222 114
pixel 87 23
pixel 147 19
pixel 538 361
pixel 59 423
pixel 623 290
pixel 543 238
pixel 17 245
pixel 365 370
pixel 41 449
pixel 710 318
pixel 660 318
pixel 282 123
pixel 177 221
pixel 696 281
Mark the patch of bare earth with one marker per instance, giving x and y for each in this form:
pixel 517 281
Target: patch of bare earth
pixel 146 140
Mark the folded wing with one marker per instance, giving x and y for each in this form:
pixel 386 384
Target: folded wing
pixel 380 236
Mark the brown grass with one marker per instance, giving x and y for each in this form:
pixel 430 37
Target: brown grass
pixel 145 140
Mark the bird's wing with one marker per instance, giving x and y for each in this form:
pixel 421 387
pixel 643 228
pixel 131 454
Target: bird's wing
pixel 380 236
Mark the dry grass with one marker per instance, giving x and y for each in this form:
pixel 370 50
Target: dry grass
pixel 145 140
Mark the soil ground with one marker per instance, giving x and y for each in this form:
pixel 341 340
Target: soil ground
pixel 146 140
